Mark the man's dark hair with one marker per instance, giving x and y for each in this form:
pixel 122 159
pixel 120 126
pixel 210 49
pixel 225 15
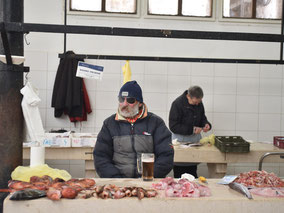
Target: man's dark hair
pixel 195 92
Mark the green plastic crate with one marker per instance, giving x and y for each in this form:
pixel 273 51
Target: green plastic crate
pixel 232 144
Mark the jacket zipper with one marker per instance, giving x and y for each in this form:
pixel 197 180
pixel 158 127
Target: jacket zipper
pixel 133 147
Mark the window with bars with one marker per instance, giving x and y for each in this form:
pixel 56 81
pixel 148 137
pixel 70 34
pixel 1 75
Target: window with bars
pixel 194 8
pixel 105 6
pixel 241 9
pixel 252 9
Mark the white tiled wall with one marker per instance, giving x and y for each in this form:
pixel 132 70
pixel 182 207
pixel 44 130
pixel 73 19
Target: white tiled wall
pixel 249 105
pixel 240 99
pixel 252 104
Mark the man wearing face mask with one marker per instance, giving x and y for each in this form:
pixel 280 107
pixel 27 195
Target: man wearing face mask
pixel 186 121
pixel 128 133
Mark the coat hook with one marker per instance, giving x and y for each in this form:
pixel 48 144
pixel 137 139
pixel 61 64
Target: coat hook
pixel 28 43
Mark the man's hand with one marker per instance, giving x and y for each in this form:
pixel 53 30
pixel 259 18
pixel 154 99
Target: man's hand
pixel 206 128
pixel 197 130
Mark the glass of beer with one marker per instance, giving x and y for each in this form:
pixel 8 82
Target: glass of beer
pixel 148 166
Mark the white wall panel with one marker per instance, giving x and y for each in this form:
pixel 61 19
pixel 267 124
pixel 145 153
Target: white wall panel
pixel 270 86
pixel 269 122
pixel 248 70
pixel 229 70
pixel 271 71
pixel 246 122
pixel 225 85
pixel 224 103
pixel 248 86
pixel 270 104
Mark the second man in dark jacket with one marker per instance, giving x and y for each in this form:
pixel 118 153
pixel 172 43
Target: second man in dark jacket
pixel 186 121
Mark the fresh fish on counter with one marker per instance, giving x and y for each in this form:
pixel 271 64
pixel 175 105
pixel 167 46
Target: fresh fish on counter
pixel 182 188
pixel 259 179
pixel 27 194
pixel 240 188
pixel 268 191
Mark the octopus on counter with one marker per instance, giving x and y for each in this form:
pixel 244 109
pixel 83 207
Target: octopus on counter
pixel 78 188
pixel 114 192
pixel 55 189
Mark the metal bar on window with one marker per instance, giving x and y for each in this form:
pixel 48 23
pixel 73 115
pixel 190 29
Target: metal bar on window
pixel 253 8
pixel 103 5
pixel 65 23
pixel 282 33
pixel 179 7
pixel 138 32
pixel 173 59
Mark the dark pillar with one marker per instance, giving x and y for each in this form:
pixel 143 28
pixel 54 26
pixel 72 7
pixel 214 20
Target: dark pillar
pixel 11 118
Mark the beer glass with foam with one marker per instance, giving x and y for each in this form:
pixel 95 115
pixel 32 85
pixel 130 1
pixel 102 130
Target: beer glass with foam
pixel 147 166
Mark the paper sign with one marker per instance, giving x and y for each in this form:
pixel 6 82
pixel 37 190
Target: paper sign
pixel 85 70
pixel 227 179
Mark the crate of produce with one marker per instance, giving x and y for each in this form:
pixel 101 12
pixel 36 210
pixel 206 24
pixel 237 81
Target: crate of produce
pixel 278 141
pixel 232 144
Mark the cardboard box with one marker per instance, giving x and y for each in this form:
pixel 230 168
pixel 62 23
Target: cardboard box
pixel 57 140
pixel 84 139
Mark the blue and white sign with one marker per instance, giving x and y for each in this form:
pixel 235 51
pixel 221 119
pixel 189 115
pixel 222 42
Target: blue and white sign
pixel 90 71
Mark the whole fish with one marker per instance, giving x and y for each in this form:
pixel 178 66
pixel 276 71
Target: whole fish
pixel 27 194
pixel 240 188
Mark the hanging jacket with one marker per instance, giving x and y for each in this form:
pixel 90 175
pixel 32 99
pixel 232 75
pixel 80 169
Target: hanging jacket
pixel 68 91
pixel 86 106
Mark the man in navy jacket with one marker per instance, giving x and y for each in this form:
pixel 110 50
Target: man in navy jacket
pixel 129 133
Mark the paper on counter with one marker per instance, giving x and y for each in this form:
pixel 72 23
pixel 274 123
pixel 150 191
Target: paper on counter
pixel 188 177
pixel 227 179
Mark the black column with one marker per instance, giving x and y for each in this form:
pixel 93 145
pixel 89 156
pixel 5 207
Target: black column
pixel 11 118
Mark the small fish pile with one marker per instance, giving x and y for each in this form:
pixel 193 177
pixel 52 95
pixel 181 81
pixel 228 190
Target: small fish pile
pixel 46 186
pixel 114 192
pixel 27 194
pixel 259 179
pixel 259 183
pixel 73 188
pixel 182 188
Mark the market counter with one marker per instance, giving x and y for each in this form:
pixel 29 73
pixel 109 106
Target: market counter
pixel 223 199
pixel 216 160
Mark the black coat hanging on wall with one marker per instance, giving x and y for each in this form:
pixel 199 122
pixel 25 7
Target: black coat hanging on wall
pixel 69 93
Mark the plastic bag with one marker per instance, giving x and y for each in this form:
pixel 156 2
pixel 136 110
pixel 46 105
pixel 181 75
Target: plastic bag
pixel 23 173
pixel 210 140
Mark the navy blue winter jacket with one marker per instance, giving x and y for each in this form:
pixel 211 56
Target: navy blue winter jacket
pixel 119 142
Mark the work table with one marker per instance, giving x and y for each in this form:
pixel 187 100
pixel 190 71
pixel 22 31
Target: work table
pixel 216 161
pixel 223 199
